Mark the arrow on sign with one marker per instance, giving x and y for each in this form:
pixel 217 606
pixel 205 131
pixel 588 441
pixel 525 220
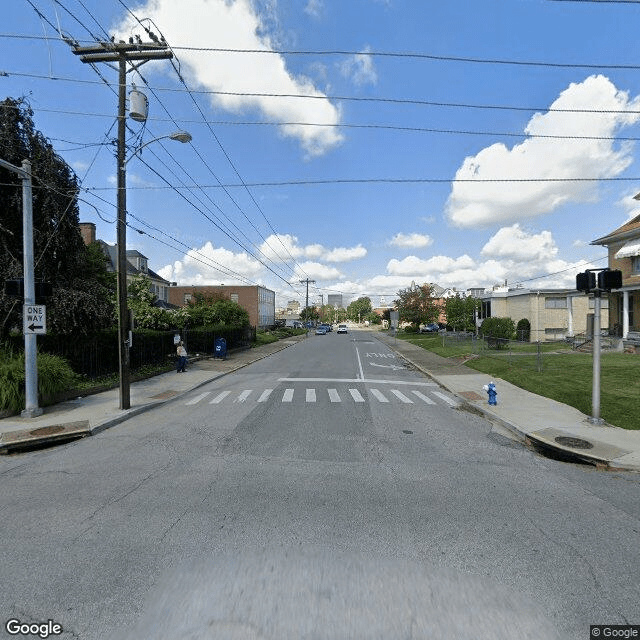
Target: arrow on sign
pixel 33 327
pixel 386 366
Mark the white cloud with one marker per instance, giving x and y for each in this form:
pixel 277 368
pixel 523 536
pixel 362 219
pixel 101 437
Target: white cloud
pixel 285 247
pixel 473 205
pixel 314 8
pixel 209 266
pixel 412 240
pixel 345 254
pixel 359 68
pixel 315 271
pixel 513 243
pixel 631 205
pixel 238 25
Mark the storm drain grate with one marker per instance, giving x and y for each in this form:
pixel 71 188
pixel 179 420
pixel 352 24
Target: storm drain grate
pixel 574 443
pixel 47 431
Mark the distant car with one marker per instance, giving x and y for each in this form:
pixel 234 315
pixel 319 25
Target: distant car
pixel 432 327
pixel 327 327
pixel 321 331
pixel 342 328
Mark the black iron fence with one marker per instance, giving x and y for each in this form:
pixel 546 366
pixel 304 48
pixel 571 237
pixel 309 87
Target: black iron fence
pixel 96 355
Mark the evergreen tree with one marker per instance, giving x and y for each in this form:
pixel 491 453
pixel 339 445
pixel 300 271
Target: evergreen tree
pixel 79 303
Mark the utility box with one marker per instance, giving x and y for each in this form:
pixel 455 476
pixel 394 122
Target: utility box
pixel 220 348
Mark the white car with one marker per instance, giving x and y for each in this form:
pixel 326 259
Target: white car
pixel 342 328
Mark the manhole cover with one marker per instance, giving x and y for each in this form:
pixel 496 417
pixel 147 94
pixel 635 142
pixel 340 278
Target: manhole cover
pixel 574 443
pixel 47 431
pixel 407 431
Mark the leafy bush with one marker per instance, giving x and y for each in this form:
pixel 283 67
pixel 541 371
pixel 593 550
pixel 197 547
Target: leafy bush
pixel 411 329
pixel 498 331
pixel 523 330
pixel 54 376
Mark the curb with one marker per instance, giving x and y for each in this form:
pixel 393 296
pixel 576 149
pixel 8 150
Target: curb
pixel 25 439
pixel 531 441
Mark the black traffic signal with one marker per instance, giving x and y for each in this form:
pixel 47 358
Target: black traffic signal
pixel 610 279
pixel 586 281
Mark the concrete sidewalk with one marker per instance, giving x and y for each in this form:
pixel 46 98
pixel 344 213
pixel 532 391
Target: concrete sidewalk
pixel 85 416
pixel 531 418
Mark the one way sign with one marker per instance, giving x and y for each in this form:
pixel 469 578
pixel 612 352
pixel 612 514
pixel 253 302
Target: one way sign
pixel 35 318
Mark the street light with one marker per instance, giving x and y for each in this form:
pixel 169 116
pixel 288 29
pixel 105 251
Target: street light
pixel 124 333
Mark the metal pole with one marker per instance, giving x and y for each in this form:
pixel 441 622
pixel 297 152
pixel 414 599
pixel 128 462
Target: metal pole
pixel 595 397
pixel 123 312
pixel 30 339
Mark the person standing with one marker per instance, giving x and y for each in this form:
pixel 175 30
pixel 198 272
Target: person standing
pixel 182 358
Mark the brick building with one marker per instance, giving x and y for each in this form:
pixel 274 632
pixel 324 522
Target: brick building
pixel 259 302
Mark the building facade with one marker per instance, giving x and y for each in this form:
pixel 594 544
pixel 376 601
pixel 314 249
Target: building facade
pixel 137 263
pixel 259 302
pixel 553 314
pixel 623 246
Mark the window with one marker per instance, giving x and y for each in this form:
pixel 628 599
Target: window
pixel 635 264
pixel 234 298
pixel 555 303
pixel 187 298
pixel 604 303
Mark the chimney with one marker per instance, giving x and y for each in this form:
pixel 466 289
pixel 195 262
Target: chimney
pixel 88 232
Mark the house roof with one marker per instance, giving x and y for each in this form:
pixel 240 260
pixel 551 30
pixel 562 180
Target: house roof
pixel 628 230
pixel 111 251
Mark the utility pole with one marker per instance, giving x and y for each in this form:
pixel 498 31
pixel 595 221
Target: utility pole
pixel 122 54
pixel 307 281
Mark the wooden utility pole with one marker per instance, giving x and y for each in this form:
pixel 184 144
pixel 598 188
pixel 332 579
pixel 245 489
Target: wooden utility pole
pixel 123 53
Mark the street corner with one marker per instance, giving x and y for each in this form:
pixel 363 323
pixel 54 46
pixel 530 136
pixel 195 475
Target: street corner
pixel 26 439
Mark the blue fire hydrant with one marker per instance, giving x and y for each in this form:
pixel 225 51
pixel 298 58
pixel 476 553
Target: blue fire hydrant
pixel 491 391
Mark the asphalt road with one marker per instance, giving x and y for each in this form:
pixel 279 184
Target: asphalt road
pixel 328 491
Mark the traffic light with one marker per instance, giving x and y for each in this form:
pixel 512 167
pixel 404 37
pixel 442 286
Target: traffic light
pixel 14 288
pixel 610 279
pixel 586 281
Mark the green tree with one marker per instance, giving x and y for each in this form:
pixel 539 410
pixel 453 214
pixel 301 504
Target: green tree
pixel 373 318
pixel 417 305
pixel 461 312
pixel 140 300
pixel 309 314
pixel 79 303
pixel 359 309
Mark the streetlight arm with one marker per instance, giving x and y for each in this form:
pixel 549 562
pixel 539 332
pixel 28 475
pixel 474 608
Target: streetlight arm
pixel 180 136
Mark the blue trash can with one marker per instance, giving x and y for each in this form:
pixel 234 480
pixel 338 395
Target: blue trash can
pixel 220 348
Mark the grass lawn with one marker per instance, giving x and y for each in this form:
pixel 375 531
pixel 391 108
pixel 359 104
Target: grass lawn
pixel 565 377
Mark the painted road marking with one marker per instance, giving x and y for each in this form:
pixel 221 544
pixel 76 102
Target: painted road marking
pixel 333 395
pixel 264 396
pixel 287 396
pixel 376 394
pixel 356 395
pixel 422 397
pixel 220 397
pixel 244 395
pixel 401 396
pixel 197 399
pixel 445 398
pixel 311 395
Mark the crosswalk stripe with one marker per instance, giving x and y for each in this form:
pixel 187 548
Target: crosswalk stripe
pixel 356 395
pixel 220 397
pixel 311 395
pixel 198 398
pixel 265 395
pixel 376 394
pixel 244 395
pixel 333 395
pixel 423 397
pixel 401 396
pixel 445 398
pixel 288 395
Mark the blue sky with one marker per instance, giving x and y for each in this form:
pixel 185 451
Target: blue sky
pixel 373 177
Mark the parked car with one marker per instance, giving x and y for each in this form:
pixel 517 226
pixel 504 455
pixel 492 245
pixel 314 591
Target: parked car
pixel 327 327
pixel 342 328
pixel 432 327
pixel 321 331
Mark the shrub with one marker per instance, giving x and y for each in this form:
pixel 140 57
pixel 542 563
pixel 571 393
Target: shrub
pixel 523 330
pixel 54 376
pixel 498 331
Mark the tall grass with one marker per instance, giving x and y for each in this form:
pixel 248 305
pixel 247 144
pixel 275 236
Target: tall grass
pixel 54 377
